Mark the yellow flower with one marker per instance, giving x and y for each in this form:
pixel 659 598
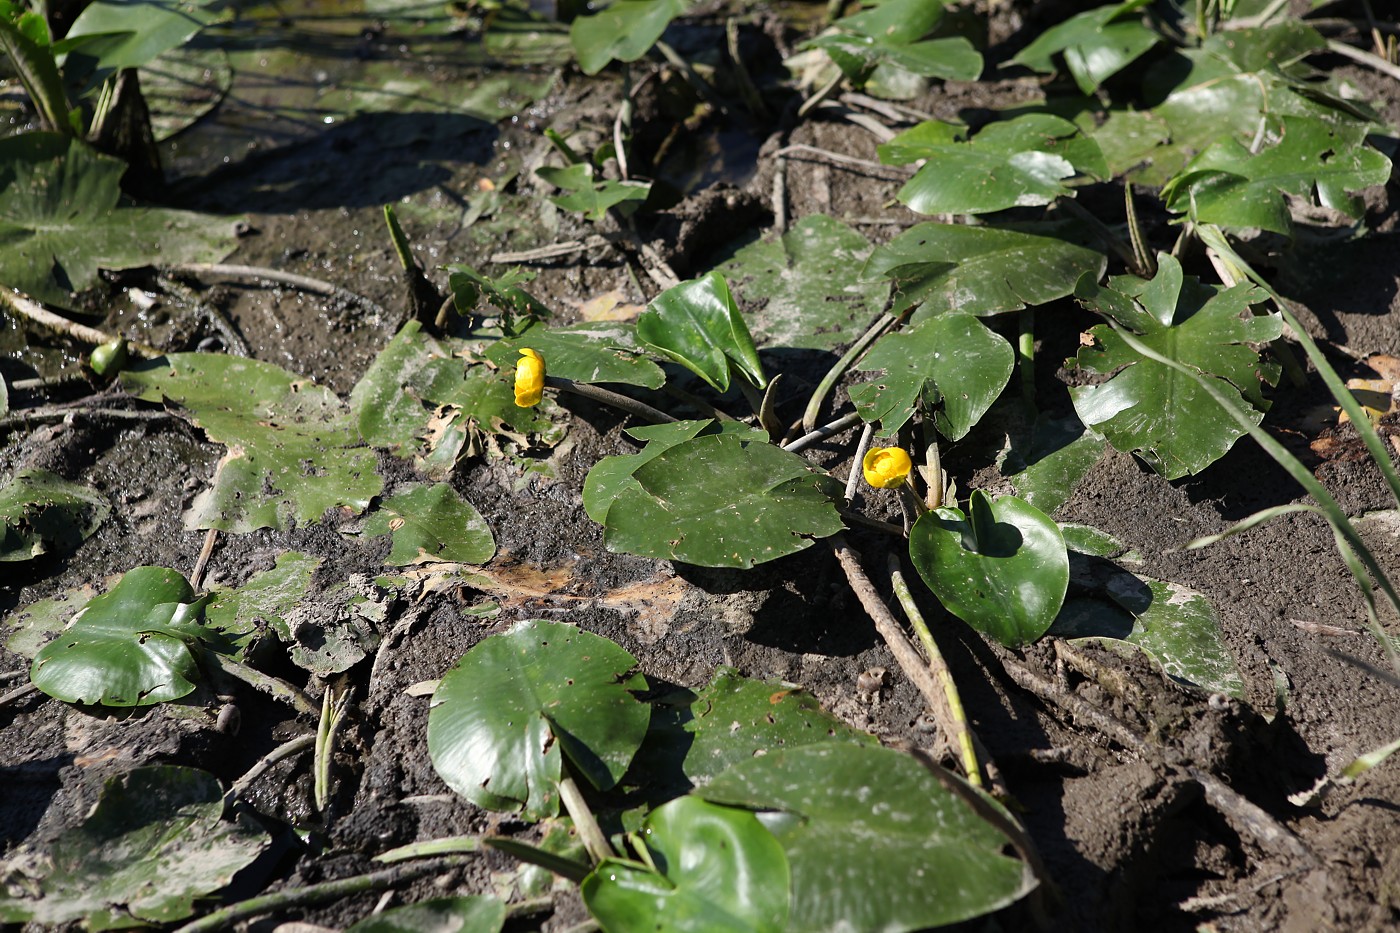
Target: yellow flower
pixel 529 379
pixel 886 467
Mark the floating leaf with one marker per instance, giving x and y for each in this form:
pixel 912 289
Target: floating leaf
pixel 697 324
pixel 595 352
pixel 479 913
pixel 874 840
pixel 128 647
pixel 722 501
pixel 623 31
pixel 153 844
pixel 1002 568
pixel 293 451
pixel 952 358
pixel 1149 408
pixel 41 512
pixel 1175 626
pixel 803 283
pixel 717 868
pixel 502 717
pixel 61 220
pixel 938 268
pixel 265 600
pixel 432 523
pixel 1096 44
pixel 1229 185
pixel 1022 162
pixel 591 196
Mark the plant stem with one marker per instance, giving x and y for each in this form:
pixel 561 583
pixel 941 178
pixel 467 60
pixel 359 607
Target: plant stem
pixel 333 709
pixel 589 831
pixel 447 845
pixel 31 310
pixel 614 399
pixel 1025 350
pixel 957 727
pixel 286 750
pixel 319 893
pixel 858 463
pixel 302 282
pixel 257 679
pixel 823 432
pixel 872 333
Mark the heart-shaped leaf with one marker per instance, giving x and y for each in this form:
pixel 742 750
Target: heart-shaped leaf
pixel 874 840
pixel 624 31
pixel 1151 409
pixel 127 647
pixel 591 196
pixel 722 501
pixel 515 705
pixel 698 325
pixel 952 358
pixel 717 868
pixel 937 268
pixel 1002 568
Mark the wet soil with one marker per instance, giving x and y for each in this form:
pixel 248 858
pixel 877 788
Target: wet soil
pixel 1152 805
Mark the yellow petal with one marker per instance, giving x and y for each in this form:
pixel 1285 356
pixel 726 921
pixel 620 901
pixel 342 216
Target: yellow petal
pixel 529 378
pixel 886 467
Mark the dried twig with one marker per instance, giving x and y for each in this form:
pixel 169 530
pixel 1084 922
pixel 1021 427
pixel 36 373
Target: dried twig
pixel 302 282
pixel 838 158
pixel 31 310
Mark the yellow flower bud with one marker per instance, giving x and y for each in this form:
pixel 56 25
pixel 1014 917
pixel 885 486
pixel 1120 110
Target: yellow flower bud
pixel 529 379
pixel 886 467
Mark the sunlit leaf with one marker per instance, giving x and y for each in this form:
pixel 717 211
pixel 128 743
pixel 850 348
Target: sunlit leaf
pixel 698 325
pixel 517 702
pixel 41 513
pixel 952 359
pixel 127 647
pixel 874 840
pixel 1151 409
pixel 114 35
pixel 431 523
pixel 717 868
pixel 1002 567
pixel 604 351
pixel 1051 462
pixel 591 196
pixel 623 31
pixel 1096 44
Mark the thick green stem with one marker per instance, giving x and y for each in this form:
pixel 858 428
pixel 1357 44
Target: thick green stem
pixel 814 406
pixel 1025 351
pixel 257 679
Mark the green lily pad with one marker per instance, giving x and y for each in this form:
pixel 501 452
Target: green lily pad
pixel 515 705
pixel 265 600
pixel 430 524
pixel 623 31
pixel 698 325
pixel 154 843
pixel 128 647
pixel 722 501
pixel 1002 568
pixel 1096 44
pixel 1149 408
pixel 292 452
pixel 874 840
pixel 1022 162
pixel 1303 157
pixel 1173 625
pixel 953 359
pixel 937 268
pixel 61 220
pixel 478 913
pixel 802 281
pixel 41 513
pixel 591 353
pixel 717 868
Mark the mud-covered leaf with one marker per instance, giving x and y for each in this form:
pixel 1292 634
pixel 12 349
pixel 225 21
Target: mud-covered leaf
pixel 431 524
pixel 717 868
pixel 698 325
pixel 953 359
pixel 592 196
pixel 1175 626
pixel 1023 162
pixel 623 31
pixel 334 629
pixel 478 913
pixel 1306 158
pixel 153 844
pixel 611 475
pixel 1149 408
pixel 874 840
pixel 603 351
pixel 61 220
pixel 1096 44
pixel 722 501
pixel 41 513
pixel 502 718
pixel 1047 465
pixel 802 280
pixel 1002 567
pixel 938 268
pixel 127 647
pixel 263 602
pixel 293 451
